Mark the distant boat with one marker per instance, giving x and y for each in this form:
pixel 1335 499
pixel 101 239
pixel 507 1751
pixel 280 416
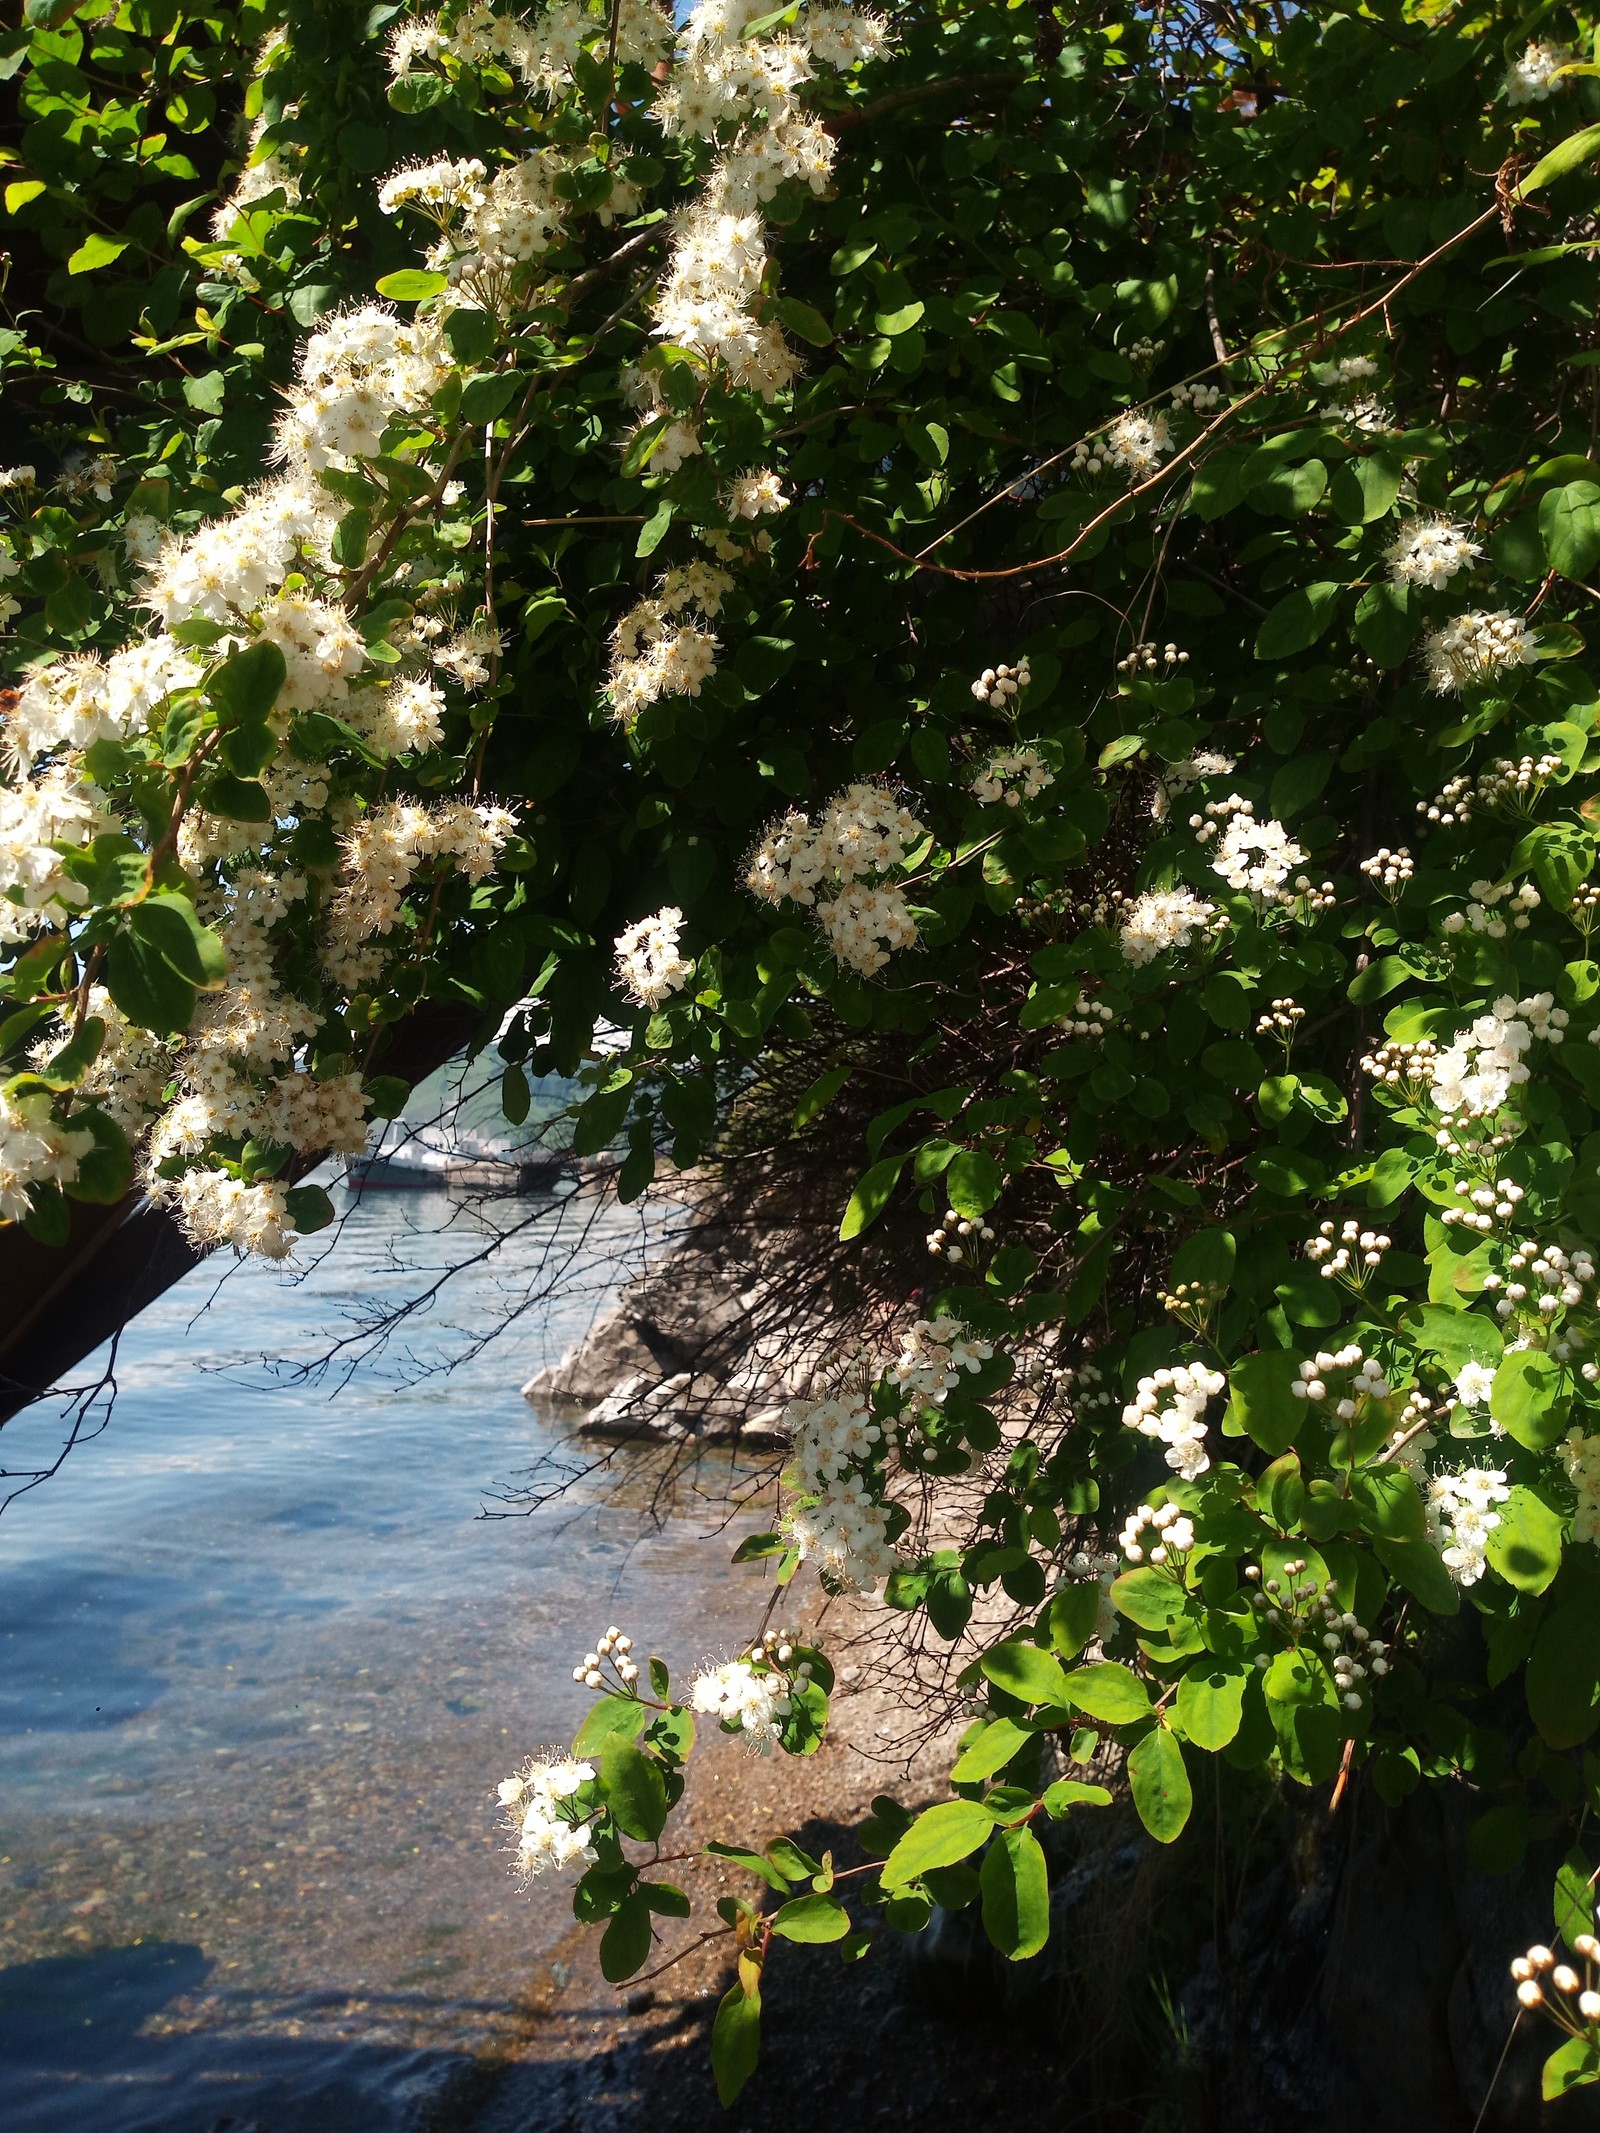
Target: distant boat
pixel 431 1170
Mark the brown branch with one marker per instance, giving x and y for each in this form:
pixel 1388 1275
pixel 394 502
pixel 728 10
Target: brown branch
pixel 908 99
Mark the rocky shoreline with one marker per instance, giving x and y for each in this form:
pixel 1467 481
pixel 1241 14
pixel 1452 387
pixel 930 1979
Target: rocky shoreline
pixel 701 1347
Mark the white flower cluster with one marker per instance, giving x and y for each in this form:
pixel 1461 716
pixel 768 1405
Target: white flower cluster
pixel 537 1808
pixel 1367 1382
pixel 1170 1406
pixel 1258 858
pixel 711 296
pixel 830 1436
pixel 996 686
pixel 1179 778
pixel 265 171
pixel 35 889
pixel 935 1354
pixel 845 1533
pixel 1535 76
pixel 1430 552
pixel 35 1149
pixel 1012 775
pixel 354 376
pixel 1346 1252
pixel 1473 1384
pixel 747 1699
pixel 1461 1516
pixel 863 833
pixel 649 967
pixel 1364 413
pixel 1476 648
pixel 1476 1073
pixel 655 652
pixel 382 852
pixel 1580 1455
pixel 1136 444
pixel 216 1208
pixel 541 52
pixel 757 495
pixel 1164 918
pixel 1173 1528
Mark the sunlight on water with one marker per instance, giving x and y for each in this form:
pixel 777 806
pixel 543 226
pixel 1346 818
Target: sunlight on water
pixel 262 1662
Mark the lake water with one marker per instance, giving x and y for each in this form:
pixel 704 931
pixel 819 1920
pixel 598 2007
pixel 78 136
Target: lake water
pixel 262 1662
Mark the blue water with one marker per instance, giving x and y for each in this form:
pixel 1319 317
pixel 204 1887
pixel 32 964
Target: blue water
pixel 263 1660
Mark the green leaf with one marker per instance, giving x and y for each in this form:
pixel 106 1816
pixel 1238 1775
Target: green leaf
pixel 625 1944
pixel 1160 1784
pixel 146 987
pixel 96 250
pixel 993 1748
pixel 1417 1566
pixel 171 925
pixel 735 2042
pixel 753 1862
pixel 654 530
pixel 635 1788
pixel 1562 1680
pixel 1297 621
pixel 1024 1671
pixel 1572 1899
pixel 1527 1400
pixel 471 335
pixel 1261 1405
pixel 1211 1701
pixel 1152 1599
pixel 901 320
pixel 1569 522
pixel 1576 149
pixel 245 688
pixel 412 285
pixel 871 1196
pixel 973 1183
pixel 309 1207
pixel 1016 1894
pixel 940 1836
pixel 1108 1692
pixel 488 395
pixel 1526 1545
pixel 235 799
pixel 612 1714
pixel 811 1918
pixel 1576 2063
pixel 1457 1337
pixel 802 319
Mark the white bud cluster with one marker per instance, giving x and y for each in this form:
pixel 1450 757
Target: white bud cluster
pixel 996 686
pixel 1544 1278
pixel 1367 1381
pixel 1170 1406
pixel 1486 1204
pixel 1281 1020
pixel 1453 806
pixel 1406 1067
pixel 1151 657
pixel 1202 398
pixel 1145 351
pixel 1173 1528
pixel 1086 1018
pixel 948 1240
pixel 610 1650
pixel 1390 871
pixel 1347 1252
pixel 1516 788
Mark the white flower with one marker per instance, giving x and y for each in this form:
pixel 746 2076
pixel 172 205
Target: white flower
pixel 1474 1383
pixel 1161 919
pixel 1138 443
pixel 1476 648
pixel 35 1149
pixel 758 495
pixel 1534 77
pixel 746 1700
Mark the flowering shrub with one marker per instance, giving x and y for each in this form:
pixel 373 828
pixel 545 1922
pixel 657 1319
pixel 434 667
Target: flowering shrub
pixel 1044 558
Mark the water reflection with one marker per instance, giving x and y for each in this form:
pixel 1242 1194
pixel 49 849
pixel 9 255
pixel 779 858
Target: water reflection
pixel 261 1662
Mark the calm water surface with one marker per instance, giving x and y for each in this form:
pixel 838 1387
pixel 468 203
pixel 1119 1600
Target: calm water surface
pixel 261 1664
